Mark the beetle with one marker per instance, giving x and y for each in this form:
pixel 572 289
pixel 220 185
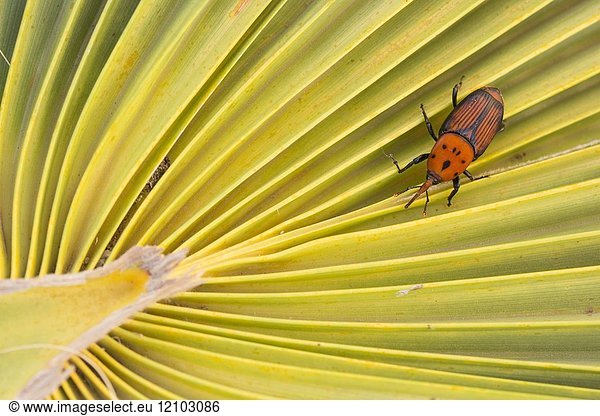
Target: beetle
pixel 463 137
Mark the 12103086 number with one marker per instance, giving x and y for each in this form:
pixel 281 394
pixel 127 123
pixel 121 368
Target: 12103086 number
pixel 191 406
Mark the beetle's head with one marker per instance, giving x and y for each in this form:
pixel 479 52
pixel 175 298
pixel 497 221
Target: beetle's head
pixel 433 177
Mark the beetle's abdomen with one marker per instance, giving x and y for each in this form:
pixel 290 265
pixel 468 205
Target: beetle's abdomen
pixel 449 157
pixel 477 118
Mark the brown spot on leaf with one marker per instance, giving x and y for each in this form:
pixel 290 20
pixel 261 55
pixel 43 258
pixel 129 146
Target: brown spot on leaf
pixel 238 8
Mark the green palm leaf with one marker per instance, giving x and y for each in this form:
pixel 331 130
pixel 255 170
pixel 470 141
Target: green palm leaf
pixel 271 119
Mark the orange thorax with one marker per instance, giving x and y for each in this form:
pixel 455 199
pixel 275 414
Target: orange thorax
pixel 450 156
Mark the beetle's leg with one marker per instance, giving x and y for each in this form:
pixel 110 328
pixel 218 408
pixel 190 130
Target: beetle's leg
pixel 428 123
pixel 426 202
pixel 455 91
pixel 416 160
pixel 407 189
pixel 456 186
pixel 391 156
pixel 468 175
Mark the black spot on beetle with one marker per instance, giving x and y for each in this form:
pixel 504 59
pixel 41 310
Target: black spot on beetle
pixel 444 146
pixel 458 153
pixel 453 149
pixel 446 164
pixel 433 155
pixel 463 161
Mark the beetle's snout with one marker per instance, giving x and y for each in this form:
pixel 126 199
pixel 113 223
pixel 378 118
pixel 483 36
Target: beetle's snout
pixel 422 189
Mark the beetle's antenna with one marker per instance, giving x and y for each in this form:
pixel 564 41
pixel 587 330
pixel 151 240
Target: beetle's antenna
pixel 422 189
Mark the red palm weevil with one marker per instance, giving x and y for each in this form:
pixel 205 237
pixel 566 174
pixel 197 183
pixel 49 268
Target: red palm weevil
pixel 464 136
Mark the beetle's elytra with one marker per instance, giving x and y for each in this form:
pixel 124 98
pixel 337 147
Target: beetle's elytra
pixel 463 137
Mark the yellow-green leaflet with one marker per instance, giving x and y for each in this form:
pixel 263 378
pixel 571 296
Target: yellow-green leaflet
pixel 252 135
